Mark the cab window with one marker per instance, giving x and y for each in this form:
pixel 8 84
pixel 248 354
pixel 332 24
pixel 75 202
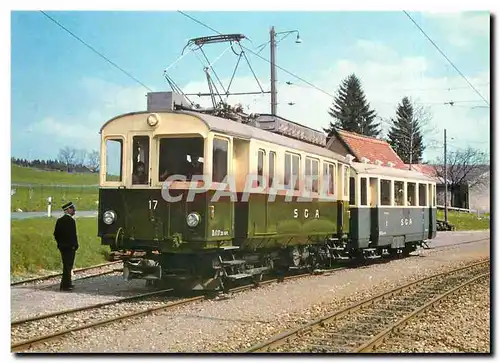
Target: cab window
pixel 140 159
pixel 114 152
pixel 219 160
pixel 180 156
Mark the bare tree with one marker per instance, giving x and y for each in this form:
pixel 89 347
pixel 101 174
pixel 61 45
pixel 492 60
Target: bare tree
pixel 464 167
pixel 80 157
pixel 67 157
pixel 93 161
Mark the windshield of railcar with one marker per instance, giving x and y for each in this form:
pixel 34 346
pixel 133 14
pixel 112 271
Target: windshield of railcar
pixel 180 156
pixel 114 151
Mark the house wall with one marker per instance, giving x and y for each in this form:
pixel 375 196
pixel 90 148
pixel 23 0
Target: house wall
pixel 336 146
pixel 479 194
pixel 440 195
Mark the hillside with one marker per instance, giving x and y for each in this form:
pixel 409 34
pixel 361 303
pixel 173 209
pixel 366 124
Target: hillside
pixel 32 176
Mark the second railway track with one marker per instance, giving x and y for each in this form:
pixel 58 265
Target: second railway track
pixel 365 325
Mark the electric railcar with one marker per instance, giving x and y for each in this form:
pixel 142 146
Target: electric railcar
pixel 192 233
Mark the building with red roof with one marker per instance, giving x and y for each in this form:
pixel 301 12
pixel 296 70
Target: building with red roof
pixel 361 146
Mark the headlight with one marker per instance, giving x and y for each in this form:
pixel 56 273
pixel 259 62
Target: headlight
pixel 193 219
pixel 109 217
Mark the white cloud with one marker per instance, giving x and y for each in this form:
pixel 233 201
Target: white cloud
pixel 372 48
pixel 82 130
pixel 463 28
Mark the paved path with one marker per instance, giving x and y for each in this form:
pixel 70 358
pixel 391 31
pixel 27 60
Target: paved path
pixel 56 214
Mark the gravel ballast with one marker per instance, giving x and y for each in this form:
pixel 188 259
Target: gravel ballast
pixel 460 324
pixel 250 317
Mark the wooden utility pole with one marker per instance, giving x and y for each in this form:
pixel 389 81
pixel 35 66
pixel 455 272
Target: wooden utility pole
pixel 274 102
pixel 445 182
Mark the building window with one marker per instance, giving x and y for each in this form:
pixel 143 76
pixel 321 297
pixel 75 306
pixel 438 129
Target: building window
pixel 114 152
pixel 292 163
pixel 272 159
pixel 411 189
pixel 364 192
pixel 180 156
pixel 422 195
pixel 385 192
pixel 219 160
pixel 140 159
pixel 399 193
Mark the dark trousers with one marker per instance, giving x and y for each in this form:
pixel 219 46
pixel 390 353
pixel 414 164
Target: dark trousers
pixel 68 259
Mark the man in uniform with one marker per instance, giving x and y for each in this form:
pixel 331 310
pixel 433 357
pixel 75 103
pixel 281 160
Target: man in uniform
pixel 67 243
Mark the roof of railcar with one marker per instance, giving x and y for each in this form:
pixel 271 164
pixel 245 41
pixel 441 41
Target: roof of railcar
pixel 386 171
pixel 237 129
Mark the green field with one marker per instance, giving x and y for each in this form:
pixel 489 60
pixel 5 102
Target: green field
pixel 61 186
pixel 34 199
pixel 466 221
pixel 34 176
pixel 34 250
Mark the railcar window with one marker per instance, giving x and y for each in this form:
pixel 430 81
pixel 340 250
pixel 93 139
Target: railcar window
pixel 411 189
pixel 346 181
pixel 219 161
pixel 292 163
pixel 114 151
pixel 329 172
pixel 315 175
pixel 373 192
pixel 140 159
pixel 260 167
pixel 308 175
pixel 272 159
pixel 434 195
pixel 399 193
pixel 180 156
pixel 352 191
pixel 312 175
pixel 364 192
pixel 422 195
pixel 385 192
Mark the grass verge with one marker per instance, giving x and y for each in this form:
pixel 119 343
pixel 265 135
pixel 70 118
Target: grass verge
pixel 33 176
pixel 466 221
pixel 33 249
pixel 34 198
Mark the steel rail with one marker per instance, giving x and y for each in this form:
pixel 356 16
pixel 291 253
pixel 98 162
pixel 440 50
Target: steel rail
pixel 27 344
pixel 87 307
pixel 318 323
pixel 48 277
pixel 16 347
pixel 394 328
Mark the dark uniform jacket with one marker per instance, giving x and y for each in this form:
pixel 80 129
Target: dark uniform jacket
pixel 65 233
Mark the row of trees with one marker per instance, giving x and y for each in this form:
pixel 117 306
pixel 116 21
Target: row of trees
pixel 351 112
pixel 69 159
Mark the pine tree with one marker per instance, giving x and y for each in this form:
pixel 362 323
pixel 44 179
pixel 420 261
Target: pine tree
pixel 405 135
pixel 351 111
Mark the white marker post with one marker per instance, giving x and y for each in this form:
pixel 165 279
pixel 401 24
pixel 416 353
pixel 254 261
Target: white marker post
pixel 49 206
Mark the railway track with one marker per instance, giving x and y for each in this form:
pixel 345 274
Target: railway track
pixel 79 271
pixel 67 321
pixel 364 326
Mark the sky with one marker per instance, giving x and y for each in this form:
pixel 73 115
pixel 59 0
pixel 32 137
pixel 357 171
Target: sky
pixel 62 92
